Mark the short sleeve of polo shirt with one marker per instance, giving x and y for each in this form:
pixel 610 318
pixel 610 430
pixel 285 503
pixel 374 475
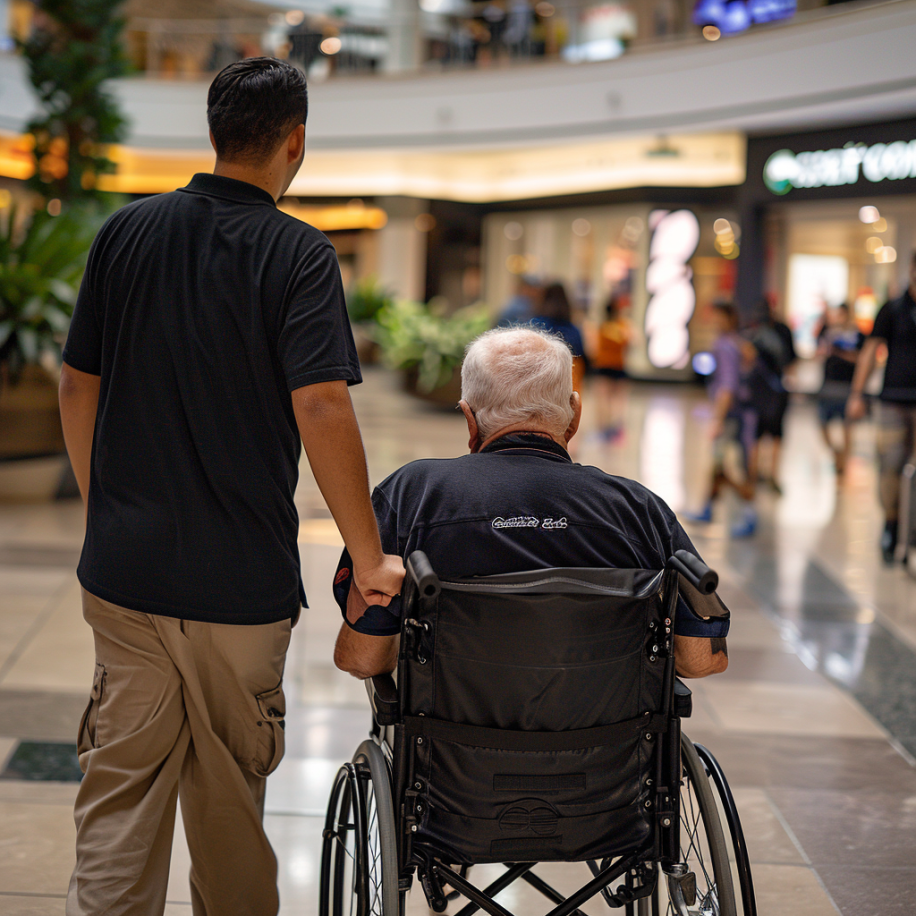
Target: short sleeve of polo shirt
pixel 378 620
pixel 315 341
pixel 83 350
pixel 884 323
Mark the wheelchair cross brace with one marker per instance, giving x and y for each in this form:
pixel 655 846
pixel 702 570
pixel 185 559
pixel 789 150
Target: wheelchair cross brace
pixel 569 906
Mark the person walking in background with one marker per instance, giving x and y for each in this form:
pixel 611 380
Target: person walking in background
pixel 772 339
pixel 554 313
pixel 839 343
pixel 521 307
pixel 209 342
pixel 734 419
pixel 895 326
pixel 607 356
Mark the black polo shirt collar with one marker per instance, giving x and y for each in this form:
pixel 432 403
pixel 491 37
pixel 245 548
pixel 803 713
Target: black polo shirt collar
pixel 228 189
pixel 528 444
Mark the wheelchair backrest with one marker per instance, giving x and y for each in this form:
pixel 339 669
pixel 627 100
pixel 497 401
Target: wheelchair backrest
pixel 531 704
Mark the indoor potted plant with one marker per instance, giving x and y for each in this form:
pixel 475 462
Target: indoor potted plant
pixel 428 345
pixel 42 259
pixel 365 300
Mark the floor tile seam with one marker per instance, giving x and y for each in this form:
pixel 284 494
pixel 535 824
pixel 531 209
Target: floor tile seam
pixel 33 894
pixel 37 625
pixel 896 630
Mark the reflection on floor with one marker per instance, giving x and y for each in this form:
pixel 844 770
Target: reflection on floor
pixel 814 722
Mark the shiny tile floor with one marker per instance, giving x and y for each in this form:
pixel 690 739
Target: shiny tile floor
pixel 814 722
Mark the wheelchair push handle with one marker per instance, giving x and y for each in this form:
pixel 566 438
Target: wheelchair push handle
pixel 421 571
pixel 695 571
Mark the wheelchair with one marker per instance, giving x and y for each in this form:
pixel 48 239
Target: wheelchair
pixel 536 718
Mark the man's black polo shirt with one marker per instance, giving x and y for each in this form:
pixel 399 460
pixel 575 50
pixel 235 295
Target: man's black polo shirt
pixel 202 310
pixel 522 504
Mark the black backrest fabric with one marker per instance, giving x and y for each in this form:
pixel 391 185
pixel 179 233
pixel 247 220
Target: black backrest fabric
pixel 546 651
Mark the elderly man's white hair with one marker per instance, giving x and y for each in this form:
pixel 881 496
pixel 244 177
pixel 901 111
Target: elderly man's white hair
pixel 518 375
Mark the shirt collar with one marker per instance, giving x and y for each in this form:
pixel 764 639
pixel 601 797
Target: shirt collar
pixel 528 443
pixel 228 189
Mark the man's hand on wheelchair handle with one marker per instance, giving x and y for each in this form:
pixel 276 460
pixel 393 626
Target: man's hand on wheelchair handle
pixel 377 585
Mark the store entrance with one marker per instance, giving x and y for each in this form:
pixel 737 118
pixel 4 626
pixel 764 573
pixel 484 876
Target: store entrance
pixel 821 254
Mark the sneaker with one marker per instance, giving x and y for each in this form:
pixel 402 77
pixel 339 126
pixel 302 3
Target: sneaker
pixel 703 517
pixel 747 526
pixel 889 542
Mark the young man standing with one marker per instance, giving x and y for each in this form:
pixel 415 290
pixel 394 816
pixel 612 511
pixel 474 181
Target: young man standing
pixel 895 325
pixel 210 336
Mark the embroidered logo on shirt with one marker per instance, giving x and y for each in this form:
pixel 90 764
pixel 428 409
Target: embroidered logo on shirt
pixel 342 576
pixel 527 521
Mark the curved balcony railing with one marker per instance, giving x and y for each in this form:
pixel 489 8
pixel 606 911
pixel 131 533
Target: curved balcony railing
pixel 404 35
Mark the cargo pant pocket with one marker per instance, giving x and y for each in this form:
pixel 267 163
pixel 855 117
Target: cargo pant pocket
pixel 271 736
pixel 88 736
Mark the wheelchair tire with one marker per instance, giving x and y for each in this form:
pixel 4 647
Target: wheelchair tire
pixel 359 863
pixel 736 833
pixel 703 845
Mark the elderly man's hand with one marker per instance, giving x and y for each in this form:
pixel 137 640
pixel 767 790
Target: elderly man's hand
pixel 380 583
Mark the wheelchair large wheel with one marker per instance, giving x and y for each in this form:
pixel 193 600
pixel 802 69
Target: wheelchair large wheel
pixel 703 845
pixel 729 811
pixel 359 865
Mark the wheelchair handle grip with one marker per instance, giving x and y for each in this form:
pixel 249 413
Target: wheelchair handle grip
pixel 421 571
pixel 695 571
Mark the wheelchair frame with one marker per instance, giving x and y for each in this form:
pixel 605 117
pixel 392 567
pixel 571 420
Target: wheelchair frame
pixel 382 766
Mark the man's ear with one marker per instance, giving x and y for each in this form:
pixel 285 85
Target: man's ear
pixel 473 431
pixel 213 142
pixel 576 404
pixel 295 144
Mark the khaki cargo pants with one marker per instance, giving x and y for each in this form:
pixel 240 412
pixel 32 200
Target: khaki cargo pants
pixel 895 439
pixel 178 708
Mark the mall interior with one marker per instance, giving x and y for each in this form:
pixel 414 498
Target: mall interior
pixel 668 155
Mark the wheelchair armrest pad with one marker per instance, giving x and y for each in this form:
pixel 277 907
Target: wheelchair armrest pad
pixel 683 699
pixel 383 694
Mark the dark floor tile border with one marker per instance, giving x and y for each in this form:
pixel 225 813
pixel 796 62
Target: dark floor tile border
pixel 43 761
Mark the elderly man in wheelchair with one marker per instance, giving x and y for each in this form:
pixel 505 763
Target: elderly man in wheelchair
pixel 547 610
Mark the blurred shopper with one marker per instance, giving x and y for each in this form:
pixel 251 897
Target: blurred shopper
pixel 895 325
pixel 521 307
pixel 839 344
pixel 210 340
pixel 554 313
pixel 608 357
pixel 734 418
pixel 772 339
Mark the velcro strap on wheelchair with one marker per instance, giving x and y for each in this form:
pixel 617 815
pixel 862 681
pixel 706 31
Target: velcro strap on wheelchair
pixel 508 740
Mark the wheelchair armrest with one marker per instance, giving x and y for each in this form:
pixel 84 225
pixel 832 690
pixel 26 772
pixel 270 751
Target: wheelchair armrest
pixel 683 699
pixel 383 695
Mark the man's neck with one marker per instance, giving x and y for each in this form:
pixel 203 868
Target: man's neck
pixel 265 179
pixel 522 430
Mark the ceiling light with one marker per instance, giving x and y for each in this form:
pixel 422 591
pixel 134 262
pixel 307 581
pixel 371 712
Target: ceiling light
pixel 581 227
pixel 711 33
pixel 513 231
pixel 873 243
pixel 294 17
pixel 869 214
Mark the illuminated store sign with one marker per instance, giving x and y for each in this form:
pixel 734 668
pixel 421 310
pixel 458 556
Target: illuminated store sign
pixel 669 283
pixel 832 168
pixel 732 16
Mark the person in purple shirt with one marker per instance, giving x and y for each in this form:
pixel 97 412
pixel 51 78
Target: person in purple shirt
pixel 734 419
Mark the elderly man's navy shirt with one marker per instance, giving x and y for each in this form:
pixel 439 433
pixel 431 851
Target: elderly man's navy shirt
pixel 520 504
pixel 202 310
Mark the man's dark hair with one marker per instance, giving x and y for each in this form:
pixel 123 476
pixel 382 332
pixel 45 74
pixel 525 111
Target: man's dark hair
pixel 555 304
pixel 253 105
pixel 728 310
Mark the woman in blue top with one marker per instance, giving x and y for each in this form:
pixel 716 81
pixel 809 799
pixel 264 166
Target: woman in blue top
pixel 554 313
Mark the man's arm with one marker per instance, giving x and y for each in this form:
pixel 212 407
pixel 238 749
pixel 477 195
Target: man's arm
pixel 365 656
pixel 79 402
pixel 865 365
pixel 330 434
pixel 697 657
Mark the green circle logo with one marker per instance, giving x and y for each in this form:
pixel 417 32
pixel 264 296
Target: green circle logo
pixel 780 171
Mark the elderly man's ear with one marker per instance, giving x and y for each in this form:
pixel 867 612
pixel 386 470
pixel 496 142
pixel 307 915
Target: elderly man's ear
pixel 474 442
pixel 576 403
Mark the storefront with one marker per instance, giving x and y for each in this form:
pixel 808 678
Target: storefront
pixel 664 255
pixel 828 217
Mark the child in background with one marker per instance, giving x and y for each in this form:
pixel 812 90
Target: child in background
pixel 609 351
